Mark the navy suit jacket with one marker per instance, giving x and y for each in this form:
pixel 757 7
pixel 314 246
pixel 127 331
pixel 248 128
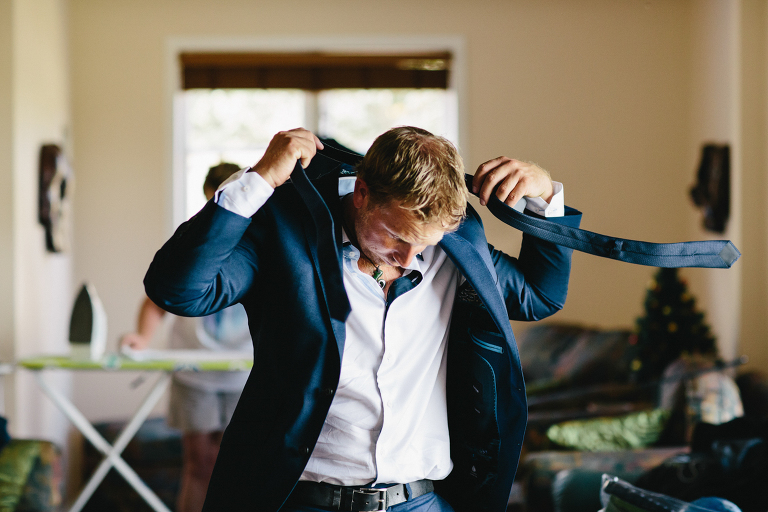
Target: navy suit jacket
pixel 270 264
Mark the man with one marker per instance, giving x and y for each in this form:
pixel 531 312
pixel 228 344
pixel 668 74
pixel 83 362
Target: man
pixel 356 385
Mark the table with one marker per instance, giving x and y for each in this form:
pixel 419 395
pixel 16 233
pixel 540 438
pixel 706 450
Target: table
pixel 165 364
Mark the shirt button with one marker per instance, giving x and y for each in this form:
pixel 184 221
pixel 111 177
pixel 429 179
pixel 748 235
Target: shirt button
pixel 304 450
pixel 246 188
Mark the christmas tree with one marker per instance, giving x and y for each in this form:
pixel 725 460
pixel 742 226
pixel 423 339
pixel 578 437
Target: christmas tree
pixel 670 328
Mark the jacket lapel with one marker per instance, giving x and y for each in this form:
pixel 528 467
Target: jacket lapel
pixel 476 266
pixel 324 222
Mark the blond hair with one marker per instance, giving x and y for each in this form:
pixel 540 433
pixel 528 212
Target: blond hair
pixel 423 172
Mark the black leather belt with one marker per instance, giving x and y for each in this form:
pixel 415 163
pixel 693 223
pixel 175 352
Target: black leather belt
pixel 336 497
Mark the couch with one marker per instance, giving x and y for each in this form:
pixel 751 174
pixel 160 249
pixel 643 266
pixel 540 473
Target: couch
pixel 586 417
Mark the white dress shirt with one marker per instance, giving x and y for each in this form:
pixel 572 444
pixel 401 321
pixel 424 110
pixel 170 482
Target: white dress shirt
pixel 388 419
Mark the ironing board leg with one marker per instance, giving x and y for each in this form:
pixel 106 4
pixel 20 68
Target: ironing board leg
pixel 112 452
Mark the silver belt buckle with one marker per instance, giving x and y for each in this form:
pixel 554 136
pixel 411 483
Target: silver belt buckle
pixel 369 493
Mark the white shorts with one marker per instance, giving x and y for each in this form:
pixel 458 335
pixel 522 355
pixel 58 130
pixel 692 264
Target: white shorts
pixel 194 410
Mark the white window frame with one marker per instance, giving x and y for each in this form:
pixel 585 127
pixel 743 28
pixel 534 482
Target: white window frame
pixel 175 181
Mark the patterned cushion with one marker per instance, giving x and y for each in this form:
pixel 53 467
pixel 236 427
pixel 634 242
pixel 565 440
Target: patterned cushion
pixel 711 397
pixel 556 355
pixel 542 345
pixel 42 491
pixel 714 398
pixel 30 476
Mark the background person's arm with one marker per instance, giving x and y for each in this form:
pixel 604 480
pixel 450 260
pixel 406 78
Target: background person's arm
pixel 150 316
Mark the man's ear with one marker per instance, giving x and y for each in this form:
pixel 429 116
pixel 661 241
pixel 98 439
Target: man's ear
pixel 361 195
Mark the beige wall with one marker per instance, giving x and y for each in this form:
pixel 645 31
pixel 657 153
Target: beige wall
pixel 728 105
pixel 35 284
pixel 714 117
pixel 609 96
pixel 6 183
pixel 753 335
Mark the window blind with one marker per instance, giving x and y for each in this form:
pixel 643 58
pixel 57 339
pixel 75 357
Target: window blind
pixel 314 71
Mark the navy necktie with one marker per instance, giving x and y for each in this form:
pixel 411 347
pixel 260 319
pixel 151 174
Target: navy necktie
pixel 707 254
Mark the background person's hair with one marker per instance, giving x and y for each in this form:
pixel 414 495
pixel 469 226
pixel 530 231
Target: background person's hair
pixel 423 171
pixel 218 174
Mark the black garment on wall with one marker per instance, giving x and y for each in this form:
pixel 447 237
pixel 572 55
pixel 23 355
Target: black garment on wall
pixel 713 188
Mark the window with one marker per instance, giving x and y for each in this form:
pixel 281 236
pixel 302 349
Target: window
pixel 333 97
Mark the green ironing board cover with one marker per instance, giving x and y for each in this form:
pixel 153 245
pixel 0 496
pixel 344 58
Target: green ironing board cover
pixel 118 362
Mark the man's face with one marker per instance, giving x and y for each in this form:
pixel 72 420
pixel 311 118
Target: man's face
pixel 391 235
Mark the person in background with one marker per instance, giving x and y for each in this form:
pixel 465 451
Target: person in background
pixel 201 403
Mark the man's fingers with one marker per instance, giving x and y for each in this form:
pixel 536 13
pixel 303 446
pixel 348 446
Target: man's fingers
pixel 516 195
pixel 318 143
pixel 309 150
pixel 302 143
pixel 505 171
pixel 512 180
pixel 510 188
pixel 488 183
pixel 283 151
pixel 483 170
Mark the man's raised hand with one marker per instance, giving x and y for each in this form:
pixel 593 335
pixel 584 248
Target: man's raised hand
pixel 515 180
pixel 284 149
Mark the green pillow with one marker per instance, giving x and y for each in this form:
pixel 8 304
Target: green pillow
pixel 635 430
pixel 16 461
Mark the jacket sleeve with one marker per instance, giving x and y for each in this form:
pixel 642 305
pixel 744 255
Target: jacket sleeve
pixel 535 284
pixel 209 263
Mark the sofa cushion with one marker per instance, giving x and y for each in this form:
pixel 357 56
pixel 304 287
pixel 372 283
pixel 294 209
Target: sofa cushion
pixel 30 477
pixel 634 430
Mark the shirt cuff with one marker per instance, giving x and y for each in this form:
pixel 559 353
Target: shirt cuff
pixel 555 208
pixel 243 193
